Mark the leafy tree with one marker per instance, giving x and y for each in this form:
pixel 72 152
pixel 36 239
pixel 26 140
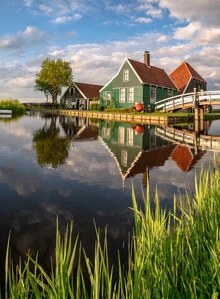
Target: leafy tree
pixel 51 149
pixel 54 75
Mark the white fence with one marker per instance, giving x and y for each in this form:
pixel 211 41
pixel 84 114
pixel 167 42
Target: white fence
pixel 189 99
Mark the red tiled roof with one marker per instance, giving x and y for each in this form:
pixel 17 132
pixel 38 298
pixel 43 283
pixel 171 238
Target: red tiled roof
pixel 184 158
pixel 89 90
pixel 182 74
pixel 152 75
pixel 150 159
pixel 88 133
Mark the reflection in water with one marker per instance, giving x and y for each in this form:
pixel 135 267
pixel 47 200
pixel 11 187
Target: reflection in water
pixel 51 148
pixel 86 175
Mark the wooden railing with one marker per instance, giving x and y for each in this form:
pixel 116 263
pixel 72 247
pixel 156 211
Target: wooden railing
pixel 189 138
pixel 188 100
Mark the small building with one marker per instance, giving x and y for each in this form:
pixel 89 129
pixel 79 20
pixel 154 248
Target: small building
pixel 137 82
pixel 186 79
pixel 79 95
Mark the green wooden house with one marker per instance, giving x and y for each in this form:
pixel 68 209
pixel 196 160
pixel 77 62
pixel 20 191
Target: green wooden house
pixel 137 82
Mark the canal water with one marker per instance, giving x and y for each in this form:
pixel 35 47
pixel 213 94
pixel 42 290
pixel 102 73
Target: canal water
pixel 82 170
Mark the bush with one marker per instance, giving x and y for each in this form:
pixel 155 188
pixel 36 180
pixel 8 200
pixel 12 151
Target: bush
pixel 96 107
pixel 14 105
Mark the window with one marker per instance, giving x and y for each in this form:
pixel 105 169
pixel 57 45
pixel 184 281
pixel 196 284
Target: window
pixel 106 133
pixel 152 95
pixel 121 135
pixel 131 95
pixel 109 96
pixel 124 158
pixel 122 95
pixel 125 75
pixel 130 136
pixel 72 91
pixel 170 93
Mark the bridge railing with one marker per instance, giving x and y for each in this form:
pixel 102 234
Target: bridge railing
pixel 187 98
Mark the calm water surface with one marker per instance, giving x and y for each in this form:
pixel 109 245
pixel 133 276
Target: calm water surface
pixel 81 170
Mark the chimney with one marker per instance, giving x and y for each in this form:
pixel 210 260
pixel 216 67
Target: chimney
pixel 147 58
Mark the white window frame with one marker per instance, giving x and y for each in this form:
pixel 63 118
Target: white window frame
pixel 154 97
pixel 122 99
pixel 131 95
pixel 170 93
pixel 124 157
pixel 121 135
pixel 126 75
pixel 109 96
pixel 130 136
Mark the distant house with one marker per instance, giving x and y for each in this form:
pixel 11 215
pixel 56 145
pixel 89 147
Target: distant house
pixel 80 95
pixel 186 79
pixel 137 82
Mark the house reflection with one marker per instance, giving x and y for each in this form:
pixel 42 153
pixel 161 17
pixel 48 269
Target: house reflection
pixel 186 158
pixel 79 129
pixel 136 149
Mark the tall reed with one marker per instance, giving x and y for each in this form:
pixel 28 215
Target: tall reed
pixel 170 256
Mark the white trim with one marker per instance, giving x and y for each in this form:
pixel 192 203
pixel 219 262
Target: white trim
pixel 187 85
pixel 113 76
pixel 125 60
pixel 120 101
pixel 128 100
pixel 127 75
pixel 135 71
pixel 153 100
pixel 79 90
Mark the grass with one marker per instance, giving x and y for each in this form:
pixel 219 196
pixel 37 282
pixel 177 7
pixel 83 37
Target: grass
pixel 14 105
pixel 174 255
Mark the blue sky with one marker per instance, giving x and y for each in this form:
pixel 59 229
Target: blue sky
pixel 96 35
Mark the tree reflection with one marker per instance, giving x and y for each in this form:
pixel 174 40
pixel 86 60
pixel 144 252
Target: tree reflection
pixel 51 149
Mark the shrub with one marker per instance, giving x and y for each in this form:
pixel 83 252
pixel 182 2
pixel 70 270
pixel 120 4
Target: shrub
pixel 96 107
pixel 14 105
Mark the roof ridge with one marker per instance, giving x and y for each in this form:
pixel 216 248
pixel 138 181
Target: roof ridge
pixel 177 67
pixel 87 83
pixel 187 66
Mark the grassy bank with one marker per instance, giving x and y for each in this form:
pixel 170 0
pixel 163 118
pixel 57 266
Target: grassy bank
pixel 14 105
pixel 170 256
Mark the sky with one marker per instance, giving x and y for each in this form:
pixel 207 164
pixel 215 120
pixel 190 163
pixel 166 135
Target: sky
pixel 96 35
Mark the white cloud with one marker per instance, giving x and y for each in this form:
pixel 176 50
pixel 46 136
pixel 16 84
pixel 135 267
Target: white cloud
pixel 120 8
pixel 31 35
pixel 143 20
pixel 162 38
pixel 66 19
pixel 186 33
pixel 28 3
pixel 197 10
pixel 46 9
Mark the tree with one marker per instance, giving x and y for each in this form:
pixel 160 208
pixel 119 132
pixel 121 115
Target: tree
pixel 54 75
pixel 51 149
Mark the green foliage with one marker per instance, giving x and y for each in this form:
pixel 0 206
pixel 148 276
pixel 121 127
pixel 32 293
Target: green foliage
pixel 51 149
pixel 53 76
pixel 170 256
pixel 95 99
pixel 120 110
pixel 14 105
pixel 96 107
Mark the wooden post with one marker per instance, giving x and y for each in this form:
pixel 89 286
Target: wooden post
pixel 201 117
pixel 195 97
